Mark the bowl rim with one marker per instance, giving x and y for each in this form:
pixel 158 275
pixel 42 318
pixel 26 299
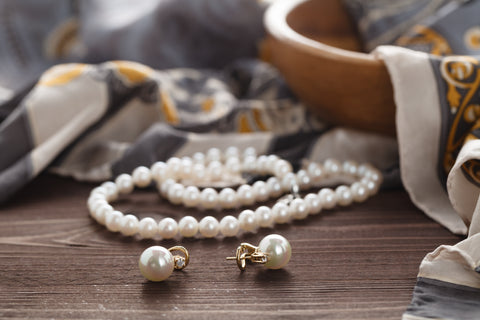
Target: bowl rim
pixel 275 21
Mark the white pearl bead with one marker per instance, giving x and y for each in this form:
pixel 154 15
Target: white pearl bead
pixel 229 226
pixel 167 228
pixel 215 170
pixel 328 198
pixel 209 198
pixel 281 168
pixel 165 187
pixel 232 152
pixel 160 171
pixel 371 186
pixel 303 179
pixel 274 187
pixel 245 195
pixel 101 212
pixel 112 190
pixel 112 220
pixel 191 196
pixel 332 167
pixel 363 169
pixel 359 192
pixel 262 162
pixel 147 228
pixel 175 193
pixel 264 216
pixel 277 249
pixel 209 227
pixel 214 154
pixel 124 183
pixel 141 177
pixel 314 203
pixel 249 164
pixel 227 198
pixel 350 167
pixel 99 191
pixel 298 209
pixel 280 212
pixel 315 171
pixel 188 226
pixel 199 173
pixel 271 160
pixel 174 165
pixel 247 220
pixel 95 205
pixel 187 168
pixel 233 165
pixel 95 200
pixel 156 263
pixel 374 175
pixel 344 195
pixel 260 191
pixel 129 225
pixel 288 181
pixel 199 158
pixel 250 152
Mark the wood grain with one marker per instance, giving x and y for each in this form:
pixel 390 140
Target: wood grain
pixel 354 263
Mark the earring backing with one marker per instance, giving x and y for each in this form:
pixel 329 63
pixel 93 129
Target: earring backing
pixel 274 251
pixel 157 263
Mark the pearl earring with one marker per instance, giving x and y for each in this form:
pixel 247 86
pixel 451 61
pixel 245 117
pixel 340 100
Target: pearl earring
pixel 274 251
pixel 157 263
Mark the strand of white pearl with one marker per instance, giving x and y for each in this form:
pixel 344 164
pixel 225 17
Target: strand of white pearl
pixel 366 185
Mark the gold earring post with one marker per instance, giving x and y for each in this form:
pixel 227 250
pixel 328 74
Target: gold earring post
pixel 247 251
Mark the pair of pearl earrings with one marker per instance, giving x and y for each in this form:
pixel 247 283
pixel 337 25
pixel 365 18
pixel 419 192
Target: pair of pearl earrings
pixel 157 263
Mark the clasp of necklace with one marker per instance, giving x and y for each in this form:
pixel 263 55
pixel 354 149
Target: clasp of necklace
pixel 246 251
pixel 294 194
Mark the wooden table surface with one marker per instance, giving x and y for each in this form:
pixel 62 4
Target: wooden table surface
pixel 355 263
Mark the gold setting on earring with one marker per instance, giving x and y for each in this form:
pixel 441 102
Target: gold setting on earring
pixel 274 251
pixel 180 262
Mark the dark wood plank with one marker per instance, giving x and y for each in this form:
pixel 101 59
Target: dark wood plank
pixel 354 263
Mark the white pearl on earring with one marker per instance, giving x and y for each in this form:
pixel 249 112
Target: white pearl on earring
pixel 277 249
pixel 156 263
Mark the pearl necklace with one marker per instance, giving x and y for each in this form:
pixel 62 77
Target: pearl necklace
pixel 177 180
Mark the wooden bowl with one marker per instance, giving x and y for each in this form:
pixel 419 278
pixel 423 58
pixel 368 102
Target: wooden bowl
pixel 315 46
